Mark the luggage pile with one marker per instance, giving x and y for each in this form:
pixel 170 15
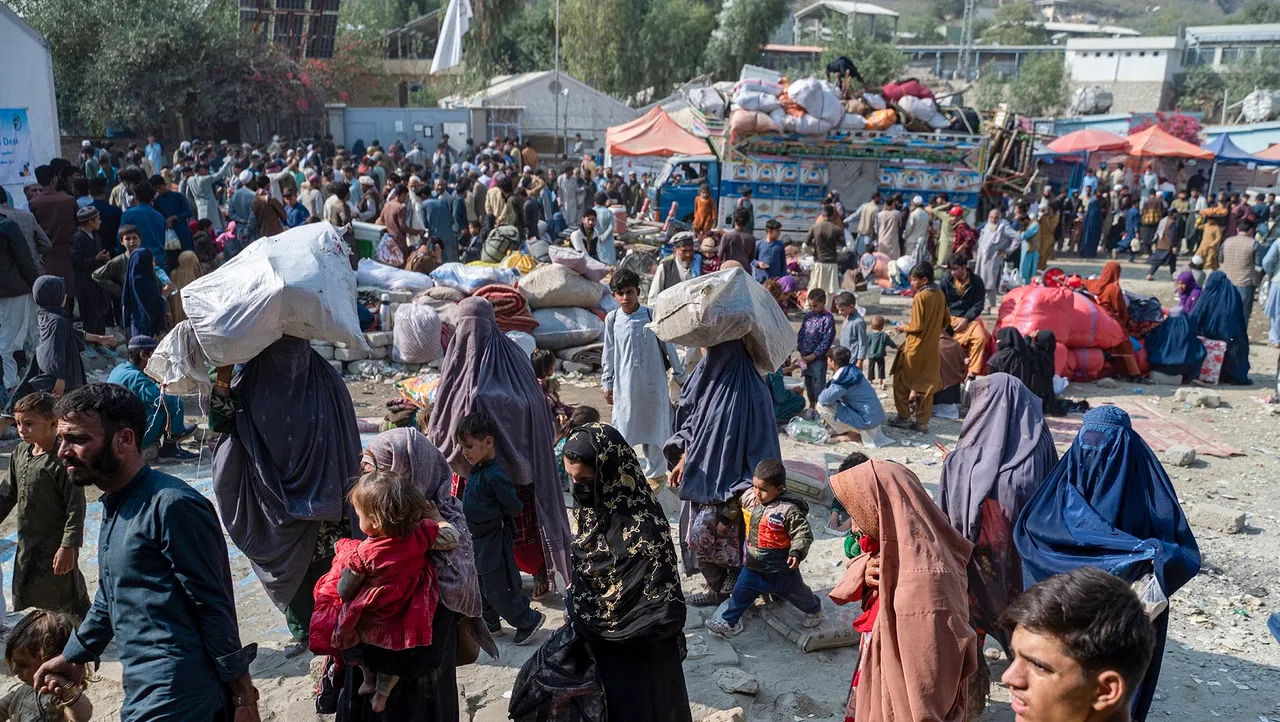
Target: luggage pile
pixel 1082 329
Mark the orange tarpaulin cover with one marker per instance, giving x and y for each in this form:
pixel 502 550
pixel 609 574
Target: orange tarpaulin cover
pixel 1088 140
pixel 654 133
pixel 1272 153
pixel 1156 143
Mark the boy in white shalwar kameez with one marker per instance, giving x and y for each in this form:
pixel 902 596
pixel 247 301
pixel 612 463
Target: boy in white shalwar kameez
pixel 634 375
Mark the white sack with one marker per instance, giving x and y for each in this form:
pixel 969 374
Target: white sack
pixel 852 123
pixel 415 335
pixel 469 279
pixel 725 306
pixel 819 98
pixel 380 275
pixel 578 261
pixel 560 328
pixel 757 101
pixel 526 342
pixel 556 286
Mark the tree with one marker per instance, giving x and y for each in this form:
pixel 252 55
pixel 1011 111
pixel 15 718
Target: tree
pixel 598 42
pixel 877 62
pixel 1200 89
pixel 672 37
pixel 1015 23
pixel 988 91
pixel 1258 12
pixel 741 31
pixel 1179 125
pixel 1041 86
pixel 1253 74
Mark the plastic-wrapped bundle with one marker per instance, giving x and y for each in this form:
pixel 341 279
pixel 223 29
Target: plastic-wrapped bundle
pixel 469 278
pixel 416 335
pixel 560 328
pixel 1090 100
pixel 818 98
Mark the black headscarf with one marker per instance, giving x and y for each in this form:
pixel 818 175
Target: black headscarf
pixel 625 585
pixel 1016 357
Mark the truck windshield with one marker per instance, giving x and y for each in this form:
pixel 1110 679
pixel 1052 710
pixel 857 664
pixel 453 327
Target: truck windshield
pixel 664 174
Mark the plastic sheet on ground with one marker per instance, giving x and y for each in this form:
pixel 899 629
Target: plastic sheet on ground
pixel 725 306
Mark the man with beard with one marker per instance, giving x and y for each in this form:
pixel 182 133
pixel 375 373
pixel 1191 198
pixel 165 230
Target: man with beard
pixel 164 580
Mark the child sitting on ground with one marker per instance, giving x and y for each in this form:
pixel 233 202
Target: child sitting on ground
pixel 380 594
pixel 490 504
pixel 878 343
pixel 817 332
pixel 50 510
pixel 778 539
pixel 849 405
pixel 36 639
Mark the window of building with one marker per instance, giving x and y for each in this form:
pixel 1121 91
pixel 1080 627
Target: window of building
pixel 1230 56
pixel 1142 53
pixel 1111 54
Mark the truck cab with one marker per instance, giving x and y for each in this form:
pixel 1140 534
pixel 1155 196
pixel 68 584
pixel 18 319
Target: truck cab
pixel 678 181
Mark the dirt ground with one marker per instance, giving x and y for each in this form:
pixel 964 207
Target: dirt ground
pixel 1220 662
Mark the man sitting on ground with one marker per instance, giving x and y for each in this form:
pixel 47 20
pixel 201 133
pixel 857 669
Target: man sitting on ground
pixel 164 412
pixel 1081 645
pixel 966 295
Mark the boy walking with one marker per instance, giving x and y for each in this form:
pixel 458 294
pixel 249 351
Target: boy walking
pixel 778 539
pixel 878 344
pixel 50 514
pixel 817 333
pixel 634 367
pixel 489 503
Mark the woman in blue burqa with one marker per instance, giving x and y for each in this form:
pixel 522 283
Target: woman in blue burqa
pixel 725 425
pixel 1219 315
pixel 1109 504
pixel 1091 226
pixel 289 452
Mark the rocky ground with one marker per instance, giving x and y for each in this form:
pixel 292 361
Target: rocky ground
pixel 1220 662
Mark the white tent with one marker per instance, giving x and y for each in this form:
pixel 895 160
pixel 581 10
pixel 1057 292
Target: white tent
pixel 525 105
pixel 28 107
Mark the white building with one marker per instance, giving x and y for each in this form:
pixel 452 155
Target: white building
pixel 26 86
pixel 531 105
pixel 1139 72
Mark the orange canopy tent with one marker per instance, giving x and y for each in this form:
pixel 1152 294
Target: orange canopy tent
pixel 654 133
pixel 1272 153
pixel 1156 143
pixel 1088 140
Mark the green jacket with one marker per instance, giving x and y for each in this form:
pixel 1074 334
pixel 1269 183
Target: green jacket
pixel 775 531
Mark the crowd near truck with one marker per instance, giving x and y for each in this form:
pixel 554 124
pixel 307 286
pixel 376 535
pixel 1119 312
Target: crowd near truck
pixel 789 175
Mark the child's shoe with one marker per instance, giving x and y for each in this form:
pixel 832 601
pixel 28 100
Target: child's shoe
pixel 721 628
pixel 812 620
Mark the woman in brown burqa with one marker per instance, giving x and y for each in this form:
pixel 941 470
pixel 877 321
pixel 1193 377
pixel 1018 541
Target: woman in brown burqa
pixel 918 650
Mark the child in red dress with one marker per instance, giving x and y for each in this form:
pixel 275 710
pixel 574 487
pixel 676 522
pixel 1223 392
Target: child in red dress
pixel 382 592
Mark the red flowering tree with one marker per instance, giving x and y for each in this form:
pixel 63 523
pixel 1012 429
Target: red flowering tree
pixel 355 66
pixel 1179 125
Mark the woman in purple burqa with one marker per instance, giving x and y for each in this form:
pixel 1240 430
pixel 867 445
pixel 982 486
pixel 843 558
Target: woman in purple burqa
pixel 725 425
pixel 289 453
pixel 1005 451
pixel 483 370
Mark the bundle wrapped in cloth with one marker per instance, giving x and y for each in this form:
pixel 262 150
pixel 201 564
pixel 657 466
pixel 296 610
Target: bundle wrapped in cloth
pixel 509 307
pixel 725 306
pixel 298 283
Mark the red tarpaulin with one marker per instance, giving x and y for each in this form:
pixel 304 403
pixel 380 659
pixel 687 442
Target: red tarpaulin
pixel 1272 153
pixel 653 133
pixel 1088 140
pixel 1156 143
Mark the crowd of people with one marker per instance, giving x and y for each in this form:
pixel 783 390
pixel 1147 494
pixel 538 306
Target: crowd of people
pixel 402 559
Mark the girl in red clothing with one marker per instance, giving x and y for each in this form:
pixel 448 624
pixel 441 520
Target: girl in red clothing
pixel 382 592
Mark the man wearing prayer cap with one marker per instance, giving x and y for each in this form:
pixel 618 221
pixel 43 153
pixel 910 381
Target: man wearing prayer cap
pixel 165 423
pixel 240 210
pixel 678 267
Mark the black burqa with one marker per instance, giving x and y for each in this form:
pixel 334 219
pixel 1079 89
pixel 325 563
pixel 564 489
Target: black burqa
pixel 58 344
pixel 626 609
pixel 1029 362
pixel 289 463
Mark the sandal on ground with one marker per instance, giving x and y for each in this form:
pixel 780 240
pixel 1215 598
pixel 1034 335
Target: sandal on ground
pixel 901 423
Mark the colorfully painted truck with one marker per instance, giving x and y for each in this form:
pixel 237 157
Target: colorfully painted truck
pixel 790 175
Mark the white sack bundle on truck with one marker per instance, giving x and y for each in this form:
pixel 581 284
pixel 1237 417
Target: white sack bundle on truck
pixel 819 99
pixel 758 95
pixel 298 283
pixel 725 306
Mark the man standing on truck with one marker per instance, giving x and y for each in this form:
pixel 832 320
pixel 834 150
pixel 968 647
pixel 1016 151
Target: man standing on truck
pixel 826 236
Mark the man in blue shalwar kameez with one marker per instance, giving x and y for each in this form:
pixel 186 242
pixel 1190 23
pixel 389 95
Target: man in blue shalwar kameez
pixel 164 412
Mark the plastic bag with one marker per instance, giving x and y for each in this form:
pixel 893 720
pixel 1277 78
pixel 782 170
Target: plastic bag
pixel 725 306
pixel 881 119
pixel 922 109
pixel 298 283
pixel 522 262
pixel 560 328
pixel 388 253
pixel 415 335
pixel 469 278
pixel 556 286
pixel 419 390
pixel 812 432
pixel 171 241
pixel 526 342
pixel 1153 599
pixel 818 98
pixel 179 364
pixel 370 273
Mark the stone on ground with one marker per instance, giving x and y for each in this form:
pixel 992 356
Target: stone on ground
pixel 1215 517
pixel 1207 398
pixel 737 714
pixel 1180 455
pixel 735 681
pixel 1163 379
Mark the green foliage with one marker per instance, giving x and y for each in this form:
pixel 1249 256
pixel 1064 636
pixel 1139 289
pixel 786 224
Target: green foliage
pixel 1200 89
pixel 1258 11
pixel 988 92
pixel 1041 86
pixel 672 40
pixel 1014 23
pixel 742 30
pixel 1254 74
pixel 877 62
